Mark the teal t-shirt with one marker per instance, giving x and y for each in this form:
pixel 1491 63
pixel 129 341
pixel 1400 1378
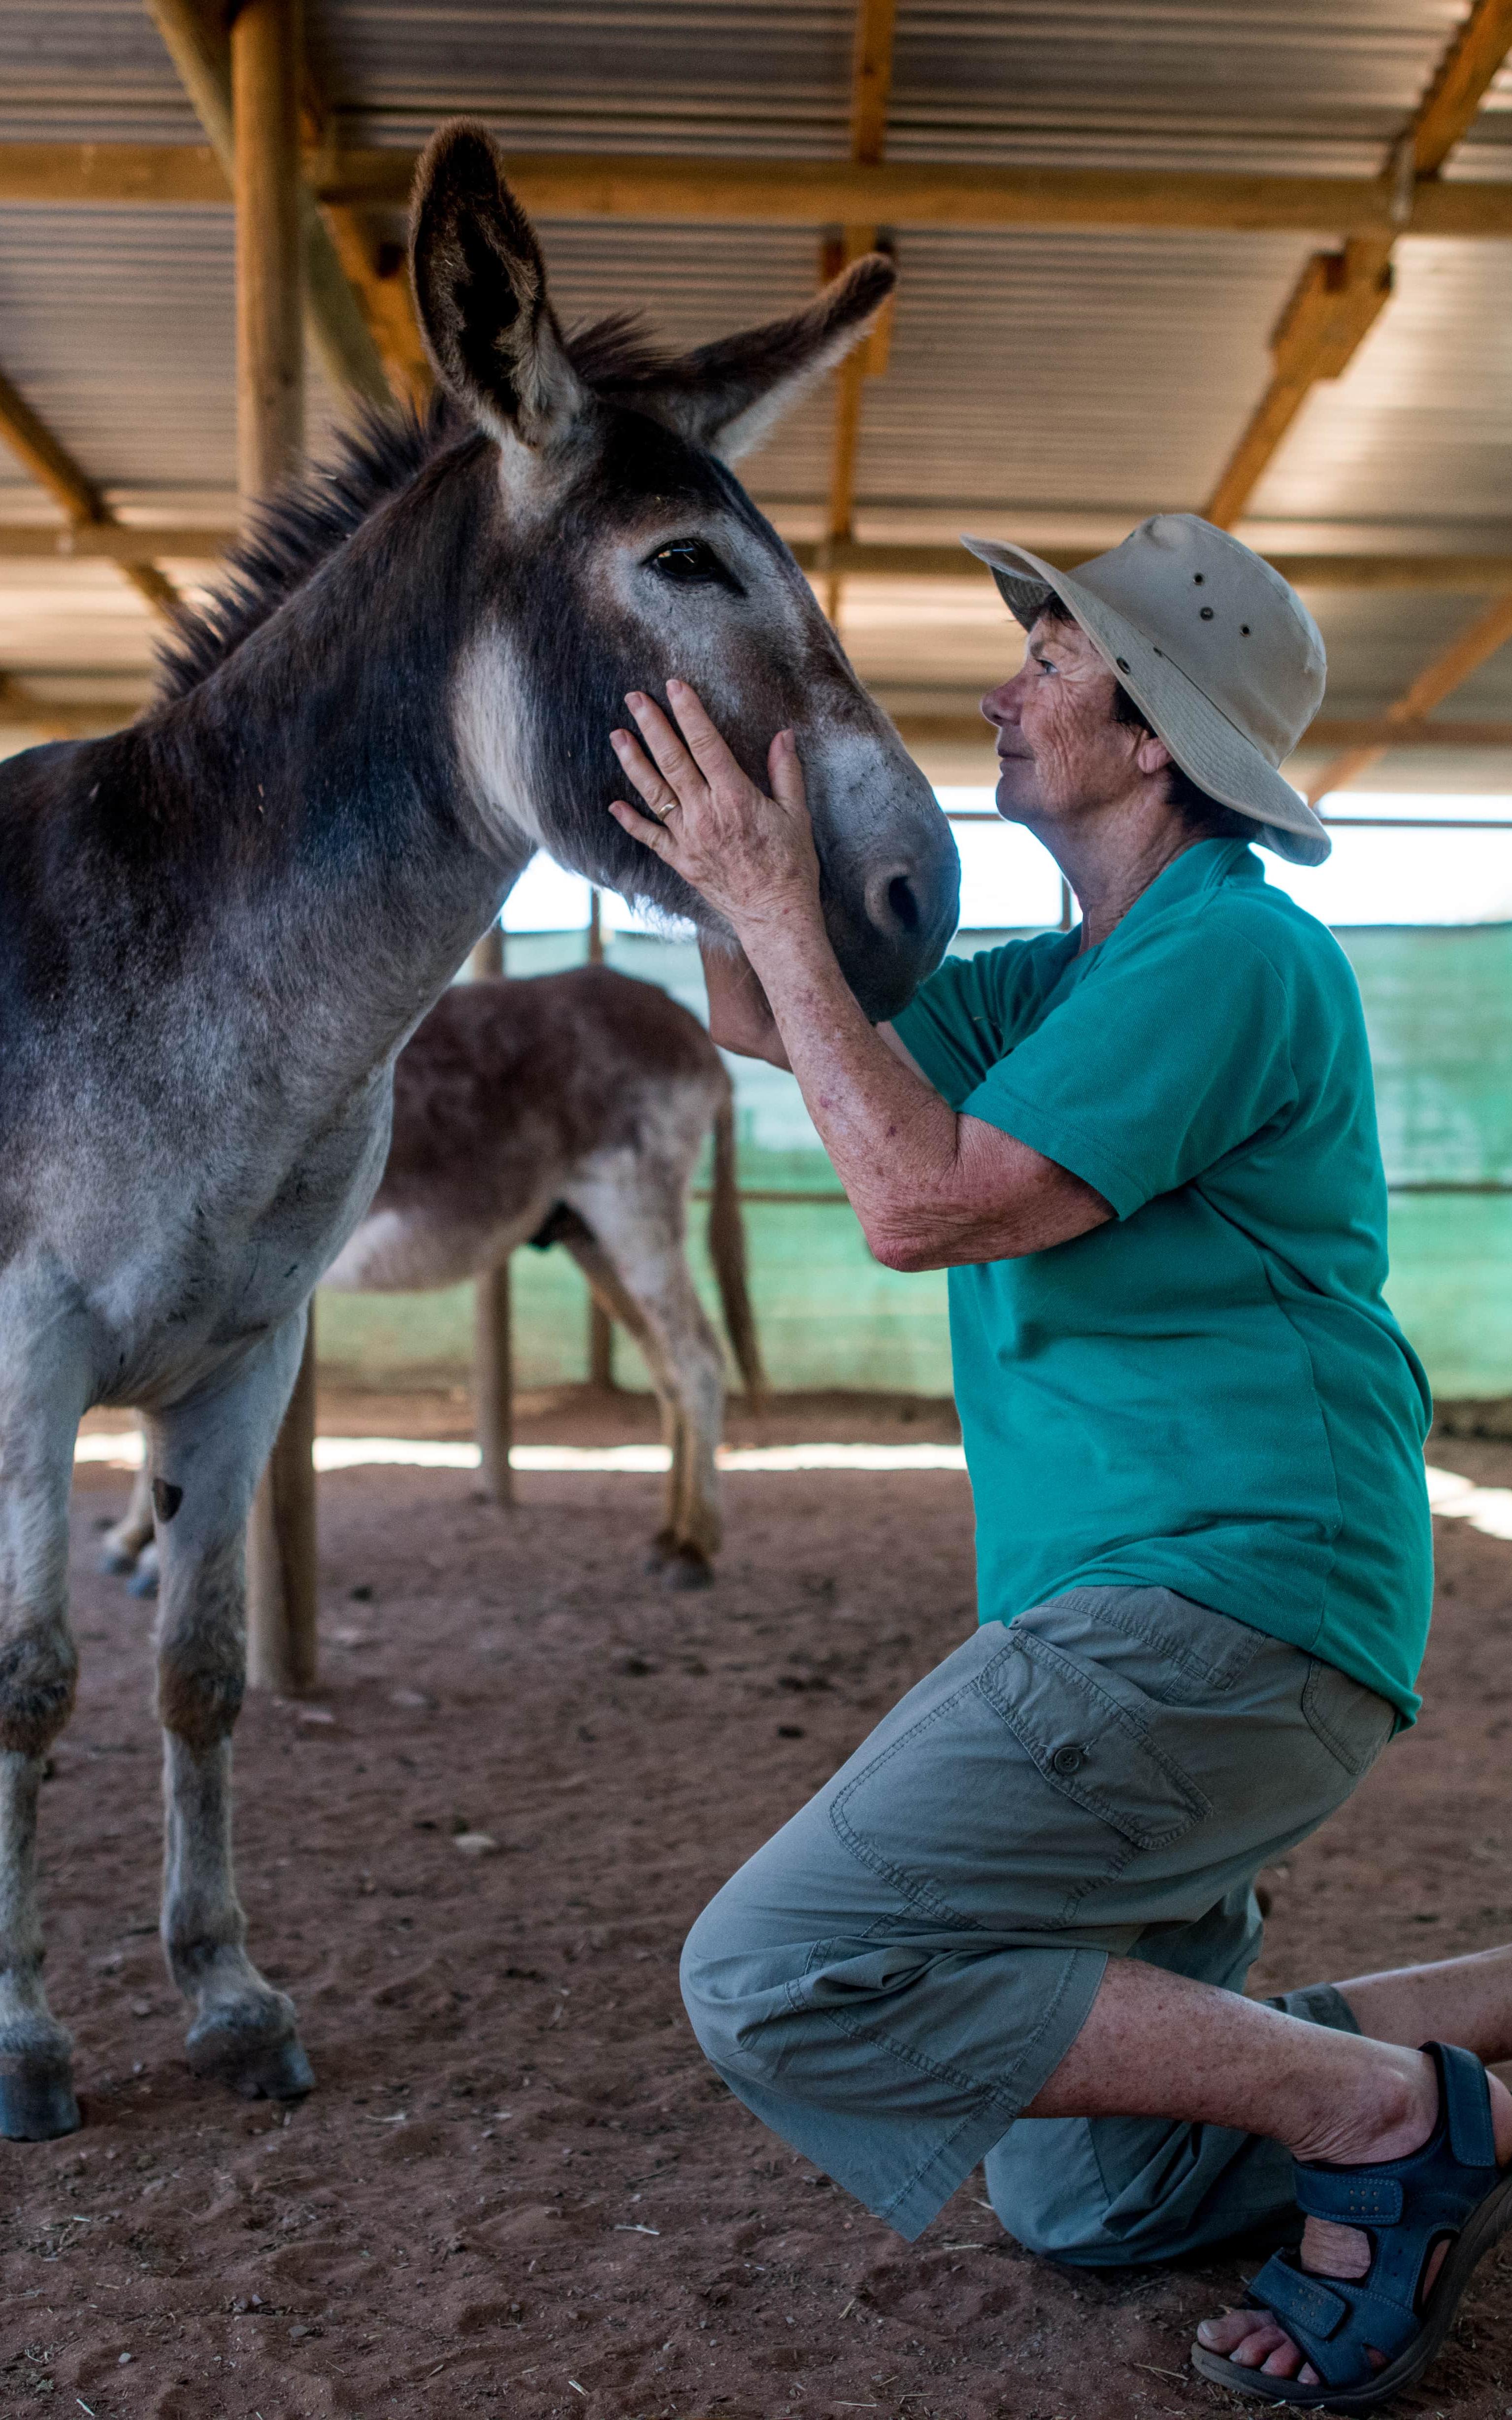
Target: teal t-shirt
pixel 1208 1392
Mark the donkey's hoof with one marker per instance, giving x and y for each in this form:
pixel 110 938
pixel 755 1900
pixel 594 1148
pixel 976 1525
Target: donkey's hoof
pixel 143 1579
pixel 259 2060
pixel 689 1567
pixel 37 2102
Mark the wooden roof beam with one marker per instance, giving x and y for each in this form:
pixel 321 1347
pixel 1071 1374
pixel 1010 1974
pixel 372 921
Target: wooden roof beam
pixel 1444 575
pixel 1340 295
pixel 21 710
pixel 54 468
pixel 1464 75
pixel 195 38
pixel 800 193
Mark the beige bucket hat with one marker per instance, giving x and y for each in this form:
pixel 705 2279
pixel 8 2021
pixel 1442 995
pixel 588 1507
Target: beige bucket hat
pixel 1212 643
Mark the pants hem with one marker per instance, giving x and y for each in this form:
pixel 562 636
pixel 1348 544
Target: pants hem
pixel 927 2191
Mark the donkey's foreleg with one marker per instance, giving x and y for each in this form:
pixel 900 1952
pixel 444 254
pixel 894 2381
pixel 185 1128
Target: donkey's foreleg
pixel 207 1455
pixel 38 1666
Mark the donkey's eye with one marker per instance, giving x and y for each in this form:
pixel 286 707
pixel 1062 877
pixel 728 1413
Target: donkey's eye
pixel 689 563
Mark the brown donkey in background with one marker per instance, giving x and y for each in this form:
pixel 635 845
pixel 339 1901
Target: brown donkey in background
pixel 569 1108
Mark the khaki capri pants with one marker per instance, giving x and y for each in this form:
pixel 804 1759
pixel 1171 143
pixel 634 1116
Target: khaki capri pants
pixel 898 1972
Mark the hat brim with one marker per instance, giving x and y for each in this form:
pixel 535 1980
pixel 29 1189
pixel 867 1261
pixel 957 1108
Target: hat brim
pixel 1210 749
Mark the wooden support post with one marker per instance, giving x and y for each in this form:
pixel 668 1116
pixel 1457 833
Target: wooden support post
pixel 487 958
pixel 265 59
pixel 600 1348
pixel 282 1584
pixel 493 1382
pixel 265 53
pixel 600 1326
pixel 493 1366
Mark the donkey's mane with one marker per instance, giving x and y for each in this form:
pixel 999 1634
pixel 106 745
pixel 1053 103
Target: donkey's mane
pixel 307 522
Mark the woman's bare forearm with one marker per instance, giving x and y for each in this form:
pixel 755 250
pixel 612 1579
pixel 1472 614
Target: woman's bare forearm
pixel 930 1188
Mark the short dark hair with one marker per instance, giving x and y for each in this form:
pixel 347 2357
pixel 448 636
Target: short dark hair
pixel 1198 811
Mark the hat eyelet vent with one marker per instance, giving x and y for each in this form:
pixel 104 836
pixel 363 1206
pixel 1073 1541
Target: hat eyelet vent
pixel 1206 614
pixel 1244 630
pixel 1123 662
pixel 1198 579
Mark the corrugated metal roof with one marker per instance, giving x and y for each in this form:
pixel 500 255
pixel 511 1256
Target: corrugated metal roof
pixel 1094 369
pixel 1321 85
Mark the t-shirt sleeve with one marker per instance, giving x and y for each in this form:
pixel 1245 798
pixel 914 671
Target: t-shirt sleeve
pixel 965 1014
pixel 1158 1066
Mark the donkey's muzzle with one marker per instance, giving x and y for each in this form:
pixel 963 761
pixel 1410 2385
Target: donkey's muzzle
pixel 908 908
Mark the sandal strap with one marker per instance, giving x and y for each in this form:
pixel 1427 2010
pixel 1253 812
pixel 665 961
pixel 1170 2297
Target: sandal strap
pixel 1405 2205
pixel 1353 2197
pixel 1466 2103
pixel 1334 2319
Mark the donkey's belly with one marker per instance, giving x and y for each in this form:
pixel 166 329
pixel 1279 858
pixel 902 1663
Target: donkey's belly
pixel 411 1251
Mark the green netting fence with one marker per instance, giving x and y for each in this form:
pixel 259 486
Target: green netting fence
pixel 1439 1005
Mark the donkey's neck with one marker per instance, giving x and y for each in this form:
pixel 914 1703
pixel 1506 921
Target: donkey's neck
pixel 321 765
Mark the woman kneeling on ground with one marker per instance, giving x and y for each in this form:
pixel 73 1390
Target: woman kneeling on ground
pixel 1016 1925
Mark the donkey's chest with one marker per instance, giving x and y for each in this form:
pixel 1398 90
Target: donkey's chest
pixel 196 1273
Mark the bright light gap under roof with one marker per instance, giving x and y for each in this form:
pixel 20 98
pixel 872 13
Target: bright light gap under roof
pixel 1008 881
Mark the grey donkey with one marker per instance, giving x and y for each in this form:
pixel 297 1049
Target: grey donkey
pixel 571 1109
pixel 218 926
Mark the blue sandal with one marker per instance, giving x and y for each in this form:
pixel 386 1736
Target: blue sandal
pixel 1451 2191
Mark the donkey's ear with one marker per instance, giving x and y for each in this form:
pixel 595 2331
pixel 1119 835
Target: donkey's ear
pixel 480 286
pixel 728 395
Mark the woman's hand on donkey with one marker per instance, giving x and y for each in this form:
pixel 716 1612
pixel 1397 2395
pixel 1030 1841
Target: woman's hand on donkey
pixel 751 855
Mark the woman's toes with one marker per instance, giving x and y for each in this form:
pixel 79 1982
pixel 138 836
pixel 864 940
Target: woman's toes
pixel 1284 2361
pixel 1223 2334
pixel 1262 2346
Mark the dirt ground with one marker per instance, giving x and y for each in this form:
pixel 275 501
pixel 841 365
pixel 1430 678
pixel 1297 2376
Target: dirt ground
pixel 517 2188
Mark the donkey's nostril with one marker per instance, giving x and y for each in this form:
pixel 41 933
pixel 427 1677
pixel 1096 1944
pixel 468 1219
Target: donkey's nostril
pixel 893 905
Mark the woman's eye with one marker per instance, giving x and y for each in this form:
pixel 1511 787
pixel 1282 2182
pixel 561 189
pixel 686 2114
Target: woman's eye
pixel 687 562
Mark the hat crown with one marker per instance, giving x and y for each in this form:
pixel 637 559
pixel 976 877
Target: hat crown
pixel 1225 618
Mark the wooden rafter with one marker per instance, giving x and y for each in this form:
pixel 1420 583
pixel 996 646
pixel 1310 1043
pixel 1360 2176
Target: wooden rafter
pixel 338 321
pixel 54 468
pixel 1442 575
pixel 871 96
pixel 53 718
pixel 1474 647
pixel 1340 295
pixel 1465 73
pixel 802 192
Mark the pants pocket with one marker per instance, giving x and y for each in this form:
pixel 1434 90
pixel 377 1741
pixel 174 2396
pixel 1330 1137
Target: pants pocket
pixel 1012 1798
pixel 1352 1722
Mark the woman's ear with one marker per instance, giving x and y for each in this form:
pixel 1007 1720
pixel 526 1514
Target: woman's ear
pixel 479 292
pixel 1152 755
